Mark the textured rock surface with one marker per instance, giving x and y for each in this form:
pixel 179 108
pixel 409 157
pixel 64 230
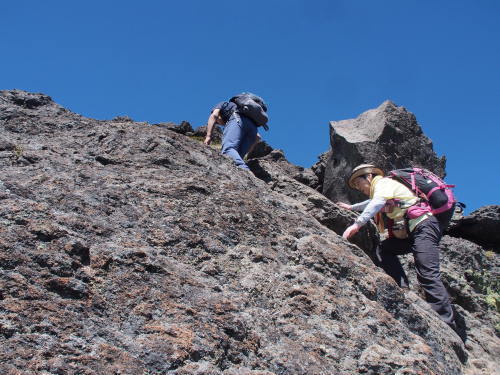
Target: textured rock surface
pixel 183 128
pixel 201 132
pixel 295 182
pixel 127 248
pixel 261 149
pixel 319 169
pixel 472 277
pixel 481 226
pixel 388 136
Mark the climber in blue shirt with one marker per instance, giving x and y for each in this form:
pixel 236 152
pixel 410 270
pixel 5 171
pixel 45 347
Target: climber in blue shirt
pixel 240 132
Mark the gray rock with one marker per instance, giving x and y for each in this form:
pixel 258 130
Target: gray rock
pixel 388 136
pixel 481 226
pixel 261 149
pixel 131 249
pixel 201 133
pixel 319 169
pixel 25 99
pixel 183 128
pixel 294 182
pixel 122 119
pixel 472 277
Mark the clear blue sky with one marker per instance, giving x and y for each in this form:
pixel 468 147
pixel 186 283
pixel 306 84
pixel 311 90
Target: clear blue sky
pixel 312 60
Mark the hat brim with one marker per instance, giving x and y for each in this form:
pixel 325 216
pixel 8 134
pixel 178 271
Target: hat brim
pixel 362 172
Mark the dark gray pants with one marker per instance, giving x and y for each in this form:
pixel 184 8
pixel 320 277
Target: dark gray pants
pixel 423 243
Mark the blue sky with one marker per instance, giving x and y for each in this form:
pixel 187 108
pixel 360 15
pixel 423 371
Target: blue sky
pixel 312 60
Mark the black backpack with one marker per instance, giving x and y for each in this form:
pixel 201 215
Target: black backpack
pixel 427 186
pixel 253 107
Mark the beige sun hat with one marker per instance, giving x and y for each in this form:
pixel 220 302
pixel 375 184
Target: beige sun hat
pixel 361 170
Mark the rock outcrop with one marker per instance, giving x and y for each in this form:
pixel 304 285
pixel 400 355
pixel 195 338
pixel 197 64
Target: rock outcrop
pixel 388 136
pixel 201 132
pixel 183 128
pixel 128 248
pixel 472 277
pixel 481 226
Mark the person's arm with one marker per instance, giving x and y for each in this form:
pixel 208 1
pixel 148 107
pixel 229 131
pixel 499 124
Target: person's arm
pixel 374 206
pixel 371 209
pixel 360 206
pixel 212 119
pixel 354 207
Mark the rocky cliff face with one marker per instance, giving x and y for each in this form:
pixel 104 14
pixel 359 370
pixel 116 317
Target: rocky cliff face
pixel 130 248
pixel 481 226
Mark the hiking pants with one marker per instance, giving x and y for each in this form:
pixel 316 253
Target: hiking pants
pixel 239 134
pixel 423 243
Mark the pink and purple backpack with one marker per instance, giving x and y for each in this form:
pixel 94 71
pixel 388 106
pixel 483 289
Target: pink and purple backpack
pixel 436 195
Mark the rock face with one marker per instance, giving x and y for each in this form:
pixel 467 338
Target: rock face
pixel 128 248
pixel 388 136
pixel 295 182
pixel 481 226
pixel 183 128
pixel 201 132
pixel 319 170
pixel 472 278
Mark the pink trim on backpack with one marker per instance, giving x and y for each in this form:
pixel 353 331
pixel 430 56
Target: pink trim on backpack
pixel 442 187
pixel 448 192
pixel 418 210
pixel 413 184
pixel 433 190
pixel 411 181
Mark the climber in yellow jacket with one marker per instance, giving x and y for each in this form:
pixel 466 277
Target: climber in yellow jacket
pixel 393 199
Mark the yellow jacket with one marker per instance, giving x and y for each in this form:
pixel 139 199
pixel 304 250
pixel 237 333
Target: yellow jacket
pixel 387 188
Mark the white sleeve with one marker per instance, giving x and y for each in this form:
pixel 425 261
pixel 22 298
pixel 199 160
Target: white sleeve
pixel 373 206
pixel 360 206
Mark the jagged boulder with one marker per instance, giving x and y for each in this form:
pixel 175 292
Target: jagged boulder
pixel 388 136
pixel 134 249
pixel 481 226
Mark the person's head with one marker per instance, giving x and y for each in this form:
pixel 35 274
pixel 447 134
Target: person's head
pixel 362 176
